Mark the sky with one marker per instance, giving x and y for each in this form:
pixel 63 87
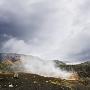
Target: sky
pixel 49 29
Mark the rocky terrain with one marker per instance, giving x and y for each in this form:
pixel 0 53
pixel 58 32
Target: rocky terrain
pixel 27 81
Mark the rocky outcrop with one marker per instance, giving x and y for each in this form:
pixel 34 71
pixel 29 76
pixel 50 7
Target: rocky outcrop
pixel 9 56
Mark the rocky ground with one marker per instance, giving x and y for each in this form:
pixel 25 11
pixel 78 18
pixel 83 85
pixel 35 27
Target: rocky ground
pixel 35 82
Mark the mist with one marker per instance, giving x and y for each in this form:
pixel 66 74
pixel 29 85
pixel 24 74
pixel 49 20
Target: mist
pixel 44 68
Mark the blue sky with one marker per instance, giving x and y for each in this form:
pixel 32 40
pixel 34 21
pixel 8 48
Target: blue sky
pixel 50 29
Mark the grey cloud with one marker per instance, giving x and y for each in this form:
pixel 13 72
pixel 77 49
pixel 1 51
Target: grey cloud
pixel 18 21
pixel 50 29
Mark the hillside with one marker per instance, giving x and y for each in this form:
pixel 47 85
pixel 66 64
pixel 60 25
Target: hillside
pixel 82 69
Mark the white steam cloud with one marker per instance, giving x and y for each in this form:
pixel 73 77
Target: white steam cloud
pixel 43 67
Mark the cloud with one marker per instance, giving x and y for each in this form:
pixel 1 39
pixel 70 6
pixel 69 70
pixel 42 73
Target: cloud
pixel 49 29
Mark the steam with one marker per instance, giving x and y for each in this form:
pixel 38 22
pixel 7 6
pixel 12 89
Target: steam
pixel 43 67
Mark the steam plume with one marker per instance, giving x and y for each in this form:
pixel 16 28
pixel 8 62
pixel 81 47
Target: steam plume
pixel 43 67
